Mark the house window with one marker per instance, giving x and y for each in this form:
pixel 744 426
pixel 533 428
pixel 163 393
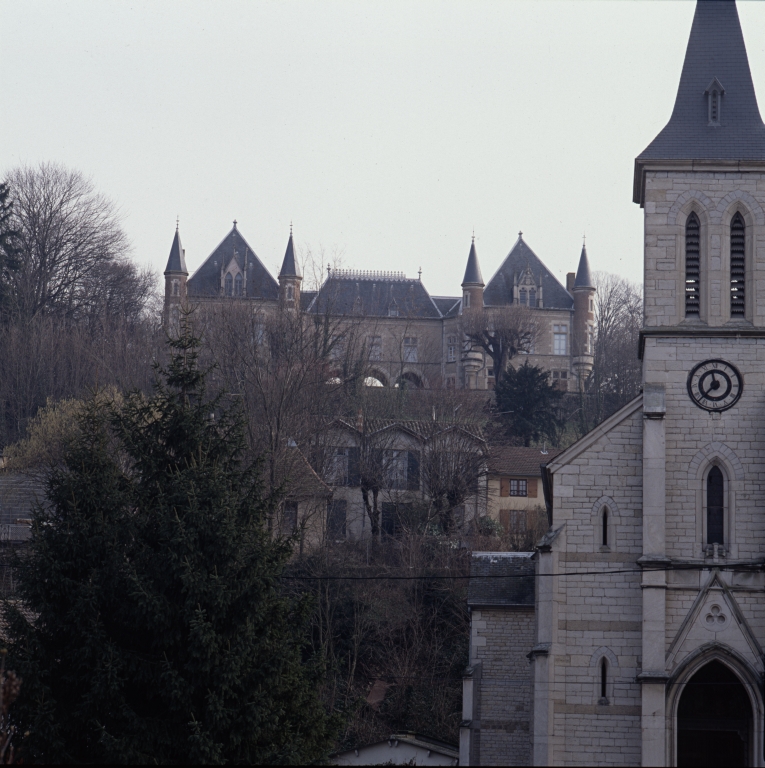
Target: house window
pixel 490 373
pixel 344 467
pixel 337 518
pixel 229 283
pixel 410 349
pixel 176 288
pixel 715 507
pixel 692 266
pixel 737 265
pixel 452 348
pixel 451 382
pixel 375 347
pixel 402 470
pixel 560 334
pixel 290 517
pixel 518 488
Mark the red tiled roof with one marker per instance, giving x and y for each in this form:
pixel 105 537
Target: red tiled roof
pixel 525 462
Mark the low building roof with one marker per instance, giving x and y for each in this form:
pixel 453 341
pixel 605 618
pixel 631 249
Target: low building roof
pixel 523 462
pixel 501 580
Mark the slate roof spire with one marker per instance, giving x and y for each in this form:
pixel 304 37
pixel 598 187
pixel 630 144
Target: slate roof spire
pixel 732 129
pixel 289 265
pixel 583 278
pixel 176 262
pixel 473 269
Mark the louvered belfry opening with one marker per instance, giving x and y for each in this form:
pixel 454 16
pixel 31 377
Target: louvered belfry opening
pixel 737 266
pixel 715 506
pixel 692 266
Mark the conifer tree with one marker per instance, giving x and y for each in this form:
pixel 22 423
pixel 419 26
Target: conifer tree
pixel 528 404
pixel 158 630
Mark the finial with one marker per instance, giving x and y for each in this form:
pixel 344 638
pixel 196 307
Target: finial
pixel 329 269
pixel 290 227
pixel 473 234
pixel 584 240
pixel 234 223
pixel 177 219
pixel 520 234
pixel 419 274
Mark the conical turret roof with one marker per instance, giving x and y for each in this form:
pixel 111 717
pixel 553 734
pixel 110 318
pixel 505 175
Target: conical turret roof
pixel 289 265
pixel 176 262
pixel 715 58
pixel 473 269
pixel 583 278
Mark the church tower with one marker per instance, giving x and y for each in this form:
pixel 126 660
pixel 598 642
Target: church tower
pixel 472 283
pixel 701 183
pixel 290 278
pixel 176 276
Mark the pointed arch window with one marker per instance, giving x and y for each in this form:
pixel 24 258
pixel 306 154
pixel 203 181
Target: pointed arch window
pixel 715 507
pixel 604 528
pixel 229 284
pixel 532 298
pixel 523 297
pixel 603 681
pixel 737 266
pixel 238 285
pixel 692 266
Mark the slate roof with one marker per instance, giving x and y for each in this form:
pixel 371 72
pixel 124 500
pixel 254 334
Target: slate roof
pixel 289 265
pixel 447 305
pixel 206 280
pixel 523 462
pixel 583 278
pixel 716 49
pixel 499 291
pixel 176 262
pixel 501 579
pixel 348 292
pixel 473 270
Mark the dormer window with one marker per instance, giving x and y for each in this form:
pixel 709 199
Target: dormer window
pixel 523 297
pixel 714 94
pixel 229 284
pixel 532 297
pixel 238 285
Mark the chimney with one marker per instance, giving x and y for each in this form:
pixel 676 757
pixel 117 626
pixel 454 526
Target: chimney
pixel 570 277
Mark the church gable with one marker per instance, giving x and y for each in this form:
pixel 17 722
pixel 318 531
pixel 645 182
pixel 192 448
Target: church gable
pixel 233 256
pixel 519 263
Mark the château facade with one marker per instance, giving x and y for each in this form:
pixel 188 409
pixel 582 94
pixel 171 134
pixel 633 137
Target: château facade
pixel 414 339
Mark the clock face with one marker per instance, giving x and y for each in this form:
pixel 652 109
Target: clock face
pixel 715 385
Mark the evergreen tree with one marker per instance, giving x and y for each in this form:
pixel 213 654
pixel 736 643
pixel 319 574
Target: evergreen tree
pixel 159 630
pixel 528 404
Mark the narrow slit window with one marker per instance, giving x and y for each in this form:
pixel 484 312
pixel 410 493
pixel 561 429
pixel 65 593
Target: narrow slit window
pixel 692 266
pixel 715 506
pixel 605 528
pixel 737 266
pixel 603 681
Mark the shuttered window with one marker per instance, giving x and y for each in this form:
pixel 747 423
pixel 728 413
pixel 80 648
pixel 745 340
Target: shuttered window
pixel 692 266
pixel 737 266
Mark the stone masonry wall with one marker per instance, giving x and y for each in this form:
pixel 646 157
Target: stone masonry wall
pixel 500 640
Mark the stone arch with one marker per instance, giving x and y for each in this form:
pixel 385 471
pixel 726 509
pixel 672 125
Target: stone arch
pixel 684 205
pixel 748 204
pixel 411 379
pixel 604 665
pixel 376 374
pixel 600 653
pixel 695 662
pixel 710 453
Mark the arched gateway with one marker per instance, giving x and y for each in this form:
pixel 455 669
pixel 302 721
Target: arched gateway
pixel 714 719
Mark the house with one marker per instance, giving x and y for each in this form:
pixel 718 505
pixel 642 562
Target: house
pixel 400 749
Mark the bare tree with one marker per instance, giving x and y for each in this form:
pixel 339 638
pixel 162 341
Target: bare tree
pixel 67 231
pixel 502 333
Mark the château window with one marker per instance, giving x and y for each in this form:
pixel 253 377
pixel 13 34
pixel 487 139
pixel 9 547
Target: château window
pixel 410 349
pixel 560 332
pixel 375 347
pixel 523 297
pixel 737 266
pixel 532 298
pixel 229 285
pixel 715 506
pixel 692 266
pixel 290 293
pixel 238 285
pixel 466 300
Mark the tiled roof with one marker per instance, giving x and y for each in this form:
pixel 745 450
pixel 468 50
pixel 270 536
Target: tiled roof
pixel 176 262
pixel 716 49
pixel 523 462
pixel 501 579
pixel 499 291
pixel 583 278
pixel 206 280
pixel 375 294
pixel 473 270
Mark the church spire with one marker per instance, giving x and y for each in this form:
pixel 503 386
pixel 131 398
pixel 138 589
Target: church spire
pixel 583 278
pixel 176 262
pixel 716 116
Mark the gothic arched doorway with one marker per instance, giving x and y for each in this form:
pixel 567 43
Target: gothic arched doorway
pixel 714 719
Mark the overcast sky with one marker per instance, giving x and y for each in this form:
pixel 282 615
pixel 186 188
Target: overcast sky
pixel 386 131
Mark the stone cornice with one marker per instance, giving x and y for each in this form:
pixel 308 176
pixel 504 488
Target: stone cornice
pixel 687 331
